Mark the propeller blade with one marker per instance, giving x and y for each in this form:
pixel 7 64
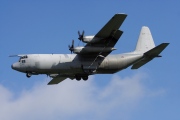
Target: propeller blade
pixel 81 35
pixel 71 47
pixel 72 44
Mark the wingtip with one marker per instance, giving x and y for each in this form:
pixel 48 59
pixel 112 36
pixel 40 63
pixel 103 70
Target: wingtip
pixel 166 44
pixel 122 14
pixel 13 55
pixel 50 83
pixel 17 55
pixel 145 26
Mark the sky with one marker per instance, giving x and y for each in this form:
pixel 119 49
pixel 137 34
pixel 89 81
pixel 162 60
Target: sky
pixel 48 26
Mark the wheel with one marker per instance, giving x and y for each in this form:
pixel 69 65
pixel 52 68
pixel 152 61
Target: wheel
pixel 85 77
pixel 78 78
pixel 28 75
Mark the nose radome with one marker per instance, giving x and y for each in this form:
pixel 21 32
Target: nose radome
pixel 14 66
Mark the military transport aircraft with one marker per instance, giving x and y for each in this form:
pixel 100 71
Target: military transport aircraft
pixel 93 58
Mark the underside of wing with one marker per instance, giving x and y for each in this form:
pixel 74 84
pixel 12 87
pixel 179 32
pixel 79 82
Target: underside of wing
pixel 56 80
pixel 108 36
pixel 103 42
pixel 114 23
pixel 103 47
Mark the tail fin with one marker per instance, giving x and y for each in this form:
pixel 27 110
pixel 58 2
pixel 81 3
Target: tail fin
pixel 145 41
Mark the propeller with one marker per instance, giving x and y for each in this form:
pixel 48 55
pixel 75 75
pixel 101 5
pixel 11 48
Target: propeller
pixel 71 48
pixel 81 36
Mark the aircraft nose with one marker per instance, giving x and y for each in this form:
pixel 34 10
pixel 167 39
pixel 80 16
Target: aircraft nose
pixel 14 66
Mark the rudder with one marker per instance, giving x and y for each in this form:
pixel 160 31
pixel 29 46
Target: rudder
pixel 145 41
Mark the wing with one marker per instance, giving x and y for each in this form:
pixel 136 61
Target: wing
pixel 17 55
pixel 59 78
pixel 56 80
pixel 149 55
pixel 114 23
pixel 108 35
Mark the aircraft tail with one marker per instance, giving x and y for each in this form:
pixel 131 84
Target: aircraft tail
pixel 150 55
pixel 146 46
pixel 145 41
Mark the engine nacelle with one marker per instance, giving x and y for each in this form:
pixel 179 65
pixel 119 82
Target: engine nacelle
pixel 91 39
pixel 90 49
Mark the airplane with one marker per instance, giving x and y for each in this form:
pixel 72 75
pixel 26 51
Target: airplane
pixel 92 58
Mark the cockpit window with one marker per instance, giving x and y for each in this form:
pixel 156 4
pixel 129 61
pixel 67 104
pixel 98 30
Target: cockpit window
pixel 23 57
pixel 23 61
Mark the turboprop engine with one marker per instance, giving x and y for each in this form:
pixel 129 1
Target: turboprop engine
pixel 88 39
pixel 89 49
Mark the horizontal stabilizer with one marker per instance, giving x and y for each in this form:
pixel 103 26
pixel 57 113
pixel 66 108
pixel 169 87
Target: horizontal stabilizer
pixel 149 55
pixel 157 50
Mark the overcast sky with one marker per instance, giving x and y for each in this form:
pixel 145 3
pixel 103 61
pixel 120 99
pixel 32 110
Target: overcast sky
pixel 48 26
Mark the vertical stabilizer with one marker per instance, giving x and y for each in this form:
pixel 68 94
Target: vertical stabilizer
pixel 145 41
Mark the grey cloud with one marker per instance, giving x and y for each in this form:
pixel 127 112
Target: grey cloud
pixel 74 100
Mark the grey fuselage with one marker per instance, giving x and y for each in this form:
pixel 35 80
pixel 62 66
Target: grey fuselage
pixel 72 64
